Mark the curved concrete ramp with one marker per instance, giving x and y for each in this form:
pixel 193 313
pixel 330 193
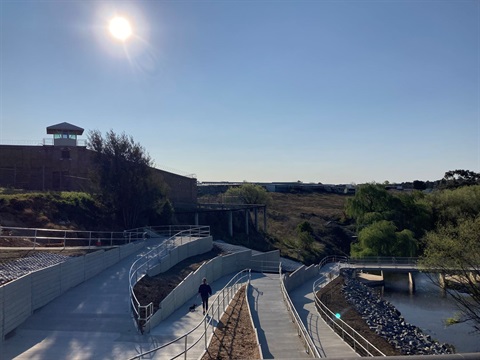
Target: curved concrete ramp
pixel 277 334
pixel 329 344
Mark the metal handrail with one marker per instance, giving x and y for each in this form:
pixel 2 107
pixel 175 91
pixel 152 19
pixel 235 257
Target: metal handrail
pixel 142 313
pixel 171 230
pixel 345 330
pixel 302 331
pixel 220 303
pixel 69 238
pixel 383 260
pixel 265 266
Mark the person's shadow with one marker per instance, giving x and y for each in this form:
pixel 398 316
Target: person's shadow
pixel 253 295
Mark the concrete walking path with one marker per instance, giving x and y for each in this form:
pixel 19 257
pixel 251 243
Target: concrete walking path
pixel 93 321
pixel 277 335
pixel 328 343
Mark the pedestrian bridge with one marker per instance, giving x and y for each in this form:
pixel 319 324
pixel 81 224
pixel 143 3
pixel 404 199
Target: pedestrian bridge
pixel 397 264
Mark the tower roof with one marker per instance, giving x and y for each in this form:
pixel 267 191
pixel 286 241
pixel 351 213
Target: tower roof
pixel 72 129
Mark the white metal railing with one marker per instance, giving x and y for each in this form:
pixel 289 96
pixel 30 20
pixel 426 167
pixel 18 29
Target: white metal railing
pixel 264 266
pixel 217 306
pixel 142 313
pixel 68 238
pixel 171 230
pixel 383 261
pixel 348 334
pixel 308 343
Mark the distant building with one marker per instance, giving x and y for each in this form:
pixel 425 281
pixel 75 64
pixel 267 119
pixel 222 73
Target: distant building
pixel 66 166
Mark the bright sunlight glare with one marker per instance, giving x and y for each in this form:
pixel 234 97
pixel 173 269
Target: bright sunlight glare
pixel 120 28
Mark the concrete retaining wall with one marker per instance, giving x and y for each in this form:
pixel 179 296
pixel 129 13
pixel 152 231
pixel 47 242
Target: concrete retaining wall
pixel 45 286
pixel 299 276
pixel 180 253
pixel 212 270
pixel 72 273
pixel 265 262
pixel 21 297
pixel 17 303
pixel 94 264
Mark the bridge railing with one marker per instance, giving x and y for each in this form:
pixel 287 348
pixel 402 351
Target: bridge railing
pixel 384 260
pixel 37 237
pixel 143 313
pixel 347 333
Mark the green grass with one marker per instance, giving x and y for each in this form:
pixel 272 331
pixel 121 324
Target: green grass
pixel 71 210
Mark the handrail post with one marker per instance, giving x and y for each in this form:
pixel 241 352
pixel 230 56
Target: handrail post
pixel 35 239
pixel 64 238
pixel 205 331
pixel 223 298
pixel 111 238
pixel 186 345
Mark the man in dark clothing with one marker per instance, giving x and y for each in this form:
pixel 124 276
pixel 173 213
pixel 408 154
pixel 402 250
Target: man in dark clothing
pixel 205 291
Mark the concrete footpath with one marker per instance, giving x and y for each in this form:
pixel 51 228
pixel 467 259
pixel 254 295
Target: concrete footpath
pixel 277 333
pixel 328 342
pixel 93 321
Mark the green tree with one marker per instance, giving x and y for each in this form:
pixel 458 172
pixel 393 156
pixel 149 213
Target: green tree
pixel 453 251
pixel 248 194
pixel 376 239
pixel 371 203
pixel 388 225
pixel 458 178
pixel 125 179
pixel 453 205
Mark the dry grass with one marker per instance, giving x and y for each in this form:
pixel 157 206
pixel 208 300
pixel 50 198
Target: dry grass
pixel 324 212
pixel 234 337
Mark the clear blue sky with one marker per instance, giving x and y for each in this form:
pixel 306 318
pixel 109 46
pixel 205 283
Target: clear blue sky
pixel 316 91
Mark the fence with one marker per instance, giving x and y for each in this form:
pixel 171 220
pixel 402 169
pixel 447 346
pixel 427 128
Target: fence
pixel 218 306
pixel 40 238
pixel 184 230
pixel 384 260
pixel 308 343
pixel 141 267
pixel 348 334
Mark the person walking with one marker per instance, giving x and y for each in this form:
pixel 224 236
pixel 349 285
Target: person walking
pixel 205 291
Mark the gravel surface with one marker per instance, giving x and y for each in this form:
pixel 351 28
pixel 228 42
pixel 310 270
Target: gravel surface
pixel 11 270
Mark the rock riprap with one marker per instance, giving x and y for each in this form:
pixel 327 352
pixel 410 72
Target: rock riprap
pixel 387 322
pixel 12 270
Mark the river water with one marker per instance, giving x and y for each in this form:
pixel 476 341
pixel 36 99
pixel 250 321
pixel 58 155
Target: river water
pixel 428 308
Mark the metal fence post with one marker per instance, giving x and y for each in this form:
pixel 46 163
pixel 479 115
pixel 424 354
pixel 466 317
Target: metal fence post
pixel 186 345
pixel 223 298
pixel 205 331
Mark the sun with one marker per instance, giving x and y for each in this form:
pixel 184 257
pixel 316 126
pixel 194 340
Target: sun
pixel 120 28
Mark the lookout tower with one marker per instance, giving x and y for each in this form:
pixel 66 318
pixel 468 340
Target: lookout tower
pixel 64 134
